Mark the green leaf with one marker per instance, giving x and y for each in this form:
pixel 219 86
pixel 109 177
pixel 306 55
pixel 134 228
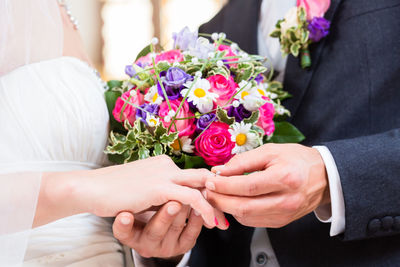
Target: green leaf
pixel 158 149
pixel 162 66
pixel 276 33
pixel 285 132
pixel 190 162
pixel 114 84
pixel 304 36
pixel 160 131
pixel 253 118
pixel 223 116
pixel 168 139
pixel 111 97
pixel 295 49
pixel 144 153
pixel 134 155
pixel 118 159
pixel 145 51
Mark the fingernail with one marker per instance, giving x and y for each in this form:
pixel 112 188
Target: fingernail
pixel 196 213
pixel 204 192
pixel 216 221
pixel 125 220
pixel 172 210
pixel 218 173
pixel 210 186
pixel 215 169
pixel 226 222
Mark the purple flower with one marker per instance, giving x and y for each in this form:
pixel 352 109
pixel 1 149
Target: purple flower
pixel 147 109
pixel 318 28
pixel 184 39
pixel 175 77
pixel 173 81
pixel 172 93
pixel 204 121
pixel 259 78
pixel 130 71
pixel 240 113
pixel 202 48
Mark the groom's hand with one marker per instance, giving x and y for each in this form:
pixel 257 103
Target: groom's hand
pixel 286 182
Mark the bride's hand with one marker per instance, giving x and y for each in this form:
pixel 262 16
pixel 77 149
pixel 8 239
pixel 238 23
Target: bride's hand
pixel 132 187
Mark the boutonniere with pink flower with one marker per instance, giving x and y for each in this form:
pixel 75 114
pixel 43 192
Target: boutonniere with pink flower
pixel 303 25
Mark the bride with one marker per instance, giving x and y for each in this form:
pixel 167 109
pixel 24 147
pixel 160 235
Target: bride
pixel 54 127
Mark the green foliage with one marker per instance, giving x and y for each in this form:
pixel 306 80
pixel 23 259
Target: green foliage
pixel 253 118
pixel 223 116
pixel 190 162
pixel 144 52
pixel 285 132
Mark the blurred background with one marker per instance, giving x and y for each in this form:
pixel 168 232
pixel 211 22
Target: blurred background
pixel 115 31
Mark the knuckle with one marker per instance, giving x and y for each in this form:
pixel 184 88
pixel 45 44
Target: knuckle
pixel 291 204
pixel 242 211
pixel 251 188
pixel 291 180
pixel 176 228
pixel 154 236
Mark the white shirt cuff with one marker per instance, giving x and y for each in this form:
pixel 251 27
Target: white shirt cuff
pixel 334 212
pixel 139 261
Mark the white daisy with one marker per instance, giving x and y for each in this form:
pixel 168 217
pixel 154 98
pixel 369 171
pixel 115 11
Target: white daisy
pixel 200 95
pixel 182 144
pixel 153 96
pixel 249 96
pixel 152 121
pixel 245 139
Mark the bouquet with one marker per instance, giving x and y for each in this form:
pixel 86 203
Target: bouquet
pixel 200 103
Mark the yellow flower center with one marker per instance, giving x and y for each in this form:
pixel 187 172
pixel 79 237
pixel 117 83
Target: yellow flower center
pixel 241 139
pixel 153 122
pixel 155 96
pixel 199 93
pixel 261 92
pixel 244 94
pixel 176 145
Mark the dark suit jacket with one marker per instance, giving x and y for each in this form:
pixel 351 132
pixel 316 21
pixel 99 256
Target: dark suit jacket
pixel 349 101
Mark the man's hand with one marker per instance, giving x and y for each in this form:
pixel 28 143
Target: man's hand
pixel 286 183
pixel 171 231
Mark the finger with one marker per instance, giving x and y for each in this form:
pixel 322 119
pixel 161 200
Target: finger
pixel 192 230
pixel 156 229
pixel 254 184
pixel 192 197
pixel 170 242
pixel 250 161
pixel 194 178
pixel 123 227
pixel 244 206
pixel 220 220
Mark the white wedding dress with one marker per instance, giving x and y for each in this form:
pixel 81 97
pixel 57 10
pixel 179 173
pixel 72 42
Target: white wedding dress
pixel 53 117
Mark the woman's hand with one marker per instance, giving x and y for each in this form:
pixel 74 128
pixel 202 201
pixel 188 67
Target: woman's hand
pixel 133 187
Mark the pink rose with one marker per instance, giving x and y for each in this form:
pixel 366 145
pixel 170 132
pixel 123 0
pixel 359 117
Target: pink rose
pixel 170 56
pixel 266 120
pixel 229 54
pixel 314 8
pixel 144 61
pixel 215 144
pixel 223 87
pixel 185 127
pixel 129 113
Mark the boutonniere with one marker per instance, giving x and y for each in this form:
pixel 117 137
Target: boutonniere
pixel 303 25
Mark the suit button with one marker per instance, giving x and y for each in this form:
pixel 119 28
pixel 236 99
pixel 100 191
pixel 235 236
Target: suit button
pixel 261 259
pixel 387 223
pixel 396 224
pixel 374 225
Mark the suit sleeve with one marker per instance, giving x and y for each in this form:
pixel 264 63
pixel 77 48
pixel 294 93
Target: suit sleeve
pixel 369 169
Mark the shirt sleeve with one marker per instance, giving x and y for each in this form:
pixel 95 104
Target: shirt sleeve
pixel 144 262
pixel 334 212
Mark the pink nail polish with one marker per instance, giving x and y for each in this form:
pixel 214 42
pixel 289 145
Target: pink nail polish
pixel 216 221
pixel 226 222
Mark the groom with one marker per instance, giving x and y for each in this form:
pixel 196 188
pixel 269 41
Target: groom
pixel 347 104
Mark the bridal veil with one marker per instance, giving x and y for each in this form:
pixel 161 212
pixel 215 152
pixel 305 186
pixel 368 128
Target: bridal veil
pixel 30 31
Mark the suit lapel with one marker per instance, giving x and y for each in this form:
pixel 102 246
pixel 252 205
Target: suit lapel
pixel 297 80
pixel 240 22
